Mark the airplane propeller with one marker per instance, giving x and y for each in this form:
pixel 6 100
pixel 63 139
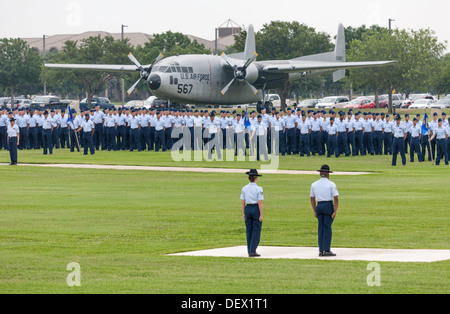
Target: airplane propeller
pixel 239 73
pixel 144 72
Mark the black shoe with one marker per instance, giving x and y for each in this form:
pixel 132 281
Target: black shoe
pixel 254 255
pixel 329 253
pixel 320 254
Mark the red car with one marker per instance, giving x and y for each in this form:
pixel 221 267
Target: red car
pixel 368 105
pixel 382 101
pixel 357 103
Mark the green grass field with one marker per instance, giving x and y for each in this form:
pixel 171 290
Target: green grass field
pixel 120 226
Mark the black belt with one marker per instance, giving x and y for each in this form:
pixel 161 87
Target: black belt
pixel 252 204
pixel 325 202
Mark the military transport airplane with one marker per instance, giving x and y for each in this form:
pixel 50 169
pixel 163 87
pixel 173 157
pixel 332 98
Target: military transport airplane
pixel 229 80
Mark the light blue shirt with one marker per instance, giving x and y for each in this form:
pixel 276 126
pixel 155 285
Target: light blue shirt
pixel 399 131
pixel 159 124
pixel 12 131
pixel 304 127
pixel 358 124
pixel 252 194
pixel 134 122
pixel 87 126
pixel 47 123
pixel 332 129
pixel 290 121
pixel 378 125
pixel 98 117
pixel 441 133
pixel 324 190
pixel 316 124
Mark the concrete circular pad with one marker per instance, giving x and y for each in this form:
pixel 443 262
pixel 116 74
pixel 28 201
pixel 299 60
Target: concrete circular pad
pixel 343 254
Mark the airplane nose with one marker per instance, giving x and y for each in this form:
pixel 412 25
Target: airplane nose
pixel 154 81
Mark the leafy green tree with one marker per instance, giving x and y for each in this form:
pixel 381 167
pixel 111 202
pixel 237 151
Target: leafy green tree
pixel 441 80
pixel 417 53
pixel 20 65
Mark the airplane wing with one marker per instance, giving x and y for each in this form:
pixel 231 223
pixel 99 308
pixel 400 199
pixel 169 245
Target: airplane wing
pixel 296 66
pixel 95 67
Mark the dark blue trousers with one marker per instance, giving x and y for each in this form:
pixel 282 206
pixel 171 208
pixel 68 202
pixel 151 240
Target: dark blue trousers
pixel 23 142
pixel 324 210
pixel 351 142
pixel 88 143
pixel 316 143
pixel 442 152
pixel 304 145
pixel 12 147
pixel 168 138
pixel 253 227
pixel 368 143
pixel 3 138
pixel 414 146
pixel 73 141
pixel 47 141
pixel 332 146
pixel 388 143
pixel 359 142
pixel 121 138
pixel 98 136
pixel 160 142
pixel 151 138
pixel 32 138
pixel 135 142
pixel 426 146
pixel 64 137
pixel 398 147
pixel 290 136
pixel 378 141
pixel 342 144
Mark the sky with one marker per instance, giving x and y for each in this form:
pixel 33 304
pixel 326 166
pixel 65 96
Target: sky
pixel 31 18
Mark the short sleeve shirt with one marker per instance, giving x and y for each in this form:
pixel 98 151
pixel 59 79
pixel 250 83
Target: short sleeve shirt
pixel 324 190
pixel 252 193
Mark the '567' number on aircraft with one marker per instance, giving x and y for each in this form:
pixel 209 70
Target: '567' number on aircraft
pixel 184 88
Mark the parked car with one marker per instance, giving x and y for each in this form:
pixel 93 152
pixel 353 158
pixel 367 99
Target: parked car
pixel 415 97
pixel 357 103
pixel 422 104
pixel 383 101
pixel 406 104
pixel 4 101
pixel 103 102
pixel 308 103
pixel 397 100
pixel 447 97
pixel 49 102
pixel 135 104
pixel 20 103
pixel 148 102
pixel 441 104
pixel 333 102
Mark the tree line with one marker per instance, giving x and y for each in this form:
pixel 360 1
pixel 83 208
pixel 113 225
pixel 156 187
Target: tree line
pixel 422 65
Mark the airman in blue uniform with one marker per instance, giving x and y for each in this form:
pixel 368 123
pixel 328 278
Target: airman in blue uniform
pixel 252 197
pixel 400 134
pixel 13 134
pixel 324 201
pixel 440 133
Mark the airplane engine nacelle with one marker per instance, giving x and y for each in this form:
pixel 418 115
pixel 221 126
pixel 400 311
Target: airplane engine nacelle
pixel 252 74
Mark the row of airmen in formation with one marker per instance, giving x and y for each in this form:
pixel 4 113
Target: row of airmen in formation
pixel 297 132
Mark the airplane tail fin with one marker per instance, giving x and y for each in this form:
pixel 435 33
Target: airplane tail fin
pixel 250 46
pixel 250 43
pixel 339 53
